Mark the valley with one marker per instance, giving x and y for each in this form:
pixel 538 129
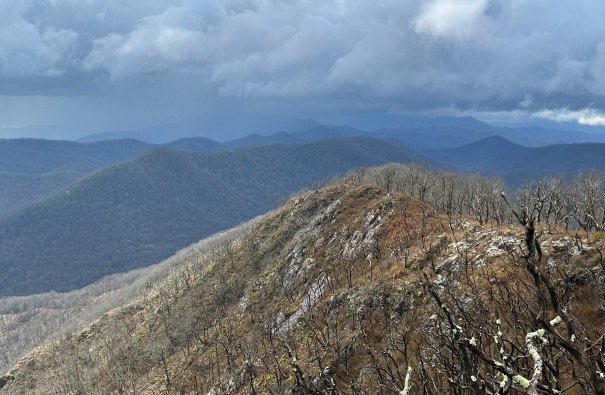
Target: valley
pixel 243 197
pixel 313 221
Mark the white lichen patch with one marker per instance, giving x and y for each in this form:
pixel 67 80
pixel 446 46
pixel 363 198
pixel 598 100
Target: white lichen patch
pixel 406 385
pixel 503 381
pixel 556 321
pixel 522 381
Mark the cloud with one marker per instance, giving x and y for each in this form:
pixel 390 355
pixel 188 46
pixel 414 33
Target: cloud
pixel 421 55
pixel 27 49
pixel 598 69
pixel 585 116
pixel 451 19
pixel 174 40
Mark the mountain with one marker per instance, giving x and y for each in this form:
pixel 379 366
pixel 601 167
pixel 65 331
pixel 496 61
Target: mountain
pixel 316 133
pixel 39 156
pixel 444 137
pixel 488 146
pixel 420 133
pixel 219 126
pixel 464 122
pixel 323 132
pixel 368 121
pixel 346 289
pixel 430 138
pixel 572 126
pixel 493 154
pixel 196 144
pixel 33 169
pixel 516 164
pixel 257 139
pixel 20 190
pixel 537 136
pixel 141 211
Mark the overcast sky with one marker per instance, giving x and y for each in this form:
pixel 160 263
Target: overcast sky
pixel 107 64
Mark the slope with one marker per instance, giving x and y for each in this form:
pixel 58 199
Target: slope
pixel 33 169
pixel 348 290
pixel 142 211
pixel 486 155
pixel 257 139
pixel 196 144
pixel 515 163
pixel 41 156
pixel 219 126
pixel 433 137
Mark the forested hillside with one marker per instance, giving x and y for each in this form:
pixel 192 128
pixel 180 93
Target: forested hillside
pixel 518 164
pixel 353 289
pixel 41 156
pixel 33 169
pixel 142 211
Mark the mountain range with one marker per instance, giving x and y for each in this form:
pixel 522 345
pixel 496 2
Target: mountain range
pixel 336 282
pixel 517 164
pixel 346 289
pixel 141 211
pixel 214 126
pixel 32 169
pixel 419 133
pixel 146 200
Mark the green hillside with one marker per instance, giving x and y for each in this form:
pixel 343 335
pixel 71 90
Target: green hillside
pixel 141 211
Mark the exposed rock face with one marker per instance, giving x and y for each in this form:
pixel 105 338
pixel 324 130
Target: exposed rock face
pixel 344 290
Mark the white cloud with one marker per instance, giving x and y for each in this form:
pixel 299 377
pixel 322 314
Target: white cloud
pixel 586 116
pixel 457 19
pixel 592 118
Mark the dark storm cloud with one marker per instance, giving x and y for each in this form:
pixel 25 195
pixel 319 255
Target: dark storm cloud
pixel 544 57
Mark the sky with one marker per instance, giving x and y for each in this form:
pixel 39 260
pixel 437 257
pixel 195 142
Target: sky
pixel 84 66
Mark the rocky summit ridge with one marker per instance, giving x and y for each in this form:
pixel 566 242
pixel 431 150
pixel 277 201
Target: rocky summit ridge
pixel 349 289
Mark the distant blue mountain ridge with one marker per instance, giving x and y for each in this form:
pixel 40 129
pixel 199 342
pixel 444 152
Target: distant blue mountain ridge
pixel 419 133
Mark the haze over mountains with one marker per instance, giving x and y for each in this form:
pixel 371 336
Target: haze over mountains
pixel 72 213
pixel 517 164
pixel 31 169
pixel 420 133
pixel 215 127
pixel 98 208
pixel 196 118
pixel 141 211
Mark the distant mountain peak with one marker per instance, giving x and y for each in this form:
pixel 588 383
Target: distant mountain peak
pixel 494 144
